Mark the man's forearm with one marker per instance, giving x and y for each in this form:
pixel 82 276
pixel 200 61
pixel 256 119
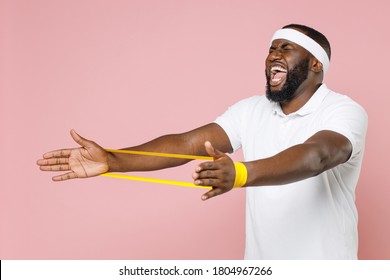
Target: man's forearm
pixel 291 165
pixel 175 143
pixel 189 143
pixel 323 151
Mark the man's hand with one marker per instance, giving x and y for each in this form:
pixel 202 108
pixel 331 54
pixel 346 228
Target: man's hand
pixel 87 161
pixel 220 173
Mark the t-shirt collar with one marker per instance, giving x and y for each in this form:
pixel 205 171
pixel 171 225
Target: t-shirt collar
pixel 311 105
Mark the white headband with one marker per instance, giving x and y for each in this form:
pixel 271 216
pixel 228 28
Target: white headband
pixel 306 42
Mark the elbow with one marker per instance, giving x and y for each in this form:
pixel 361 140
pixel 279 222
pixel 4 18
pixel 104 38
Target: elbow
pixel 326 150
pixel 322 159
pixel 332 156
pixel 318 161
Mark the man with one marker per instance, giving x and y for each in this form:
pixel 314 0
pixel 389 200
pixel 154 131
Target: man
pixel 303 146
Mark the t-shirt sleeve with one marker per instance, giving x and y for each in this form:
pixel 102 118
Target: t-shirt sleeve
pixel 233 122
pixel 349 119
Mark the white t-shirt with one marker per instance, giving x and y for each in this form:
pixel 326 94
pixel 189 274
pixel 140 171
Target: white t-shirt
pixel 315 218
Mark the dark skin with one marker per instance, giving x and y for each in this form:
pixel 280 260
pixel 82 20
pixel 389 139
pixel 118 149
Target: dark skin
pixel 322 151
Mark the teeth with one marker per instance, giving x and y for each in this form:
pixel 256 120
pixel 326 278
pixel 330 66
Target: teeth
pixel 276 80
pixel 278 68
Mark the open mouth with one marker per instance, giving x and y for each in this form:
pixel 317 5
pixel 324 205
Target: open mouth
pixel 277 75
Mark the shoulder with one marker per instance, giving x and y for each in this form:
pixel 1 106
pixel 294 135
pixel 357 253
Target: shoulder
pixel 342 114
pixel 335 102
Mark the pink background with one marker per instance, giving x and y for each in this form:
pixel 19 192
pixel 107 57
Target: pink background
pixel 123 72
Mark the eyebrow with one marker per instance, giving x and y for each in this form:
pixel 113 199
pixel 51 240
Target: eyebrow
pixel 283 45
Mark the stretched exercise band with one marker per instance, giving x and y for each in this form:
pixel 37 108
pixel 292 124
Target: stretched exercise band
pixel 159 154
pixel 240 180
pixel 154 180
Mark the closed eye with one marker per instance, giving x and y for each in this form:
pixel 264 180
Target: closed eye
pixel 284 47
pixel 287 46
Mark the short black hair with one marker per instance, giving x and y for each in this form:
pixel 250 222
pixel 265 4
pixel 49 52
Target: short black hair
pixel 314 34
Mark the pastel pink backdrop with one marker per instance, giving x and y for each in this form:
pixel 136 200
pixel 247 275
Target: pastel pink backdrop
pixel 123 72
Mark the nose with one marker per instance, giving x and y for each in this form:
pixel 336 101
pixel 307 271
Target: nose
pixel 274 54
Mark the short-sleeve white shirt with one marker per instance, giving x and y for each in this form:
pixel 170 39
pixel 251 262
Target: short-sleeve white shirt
pixel 315 218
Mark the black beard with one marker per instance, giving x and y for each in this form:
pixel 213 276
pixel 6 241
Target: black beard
pixel 294 79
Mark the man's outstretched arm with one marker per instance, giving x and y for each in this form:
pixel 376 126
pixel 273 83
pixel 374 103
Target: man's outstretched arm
pixel 322 151
pixel 90 159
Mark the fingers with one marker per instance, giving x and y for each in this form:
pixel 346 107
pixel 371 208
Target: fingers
pixel 87 161
pixel 212 174
pixel 80 140
pixel 66 152
pixel 208 165
pixel 66 176
pixel 206 170
pixel 214 192
pixel 57 154
pixel 54 164
pixel 213 151
pixel 214 178
pixel 209 182
pixel 206 174
pixel 53 161
pixel 210 149
pixel 61 167
pixel 219 173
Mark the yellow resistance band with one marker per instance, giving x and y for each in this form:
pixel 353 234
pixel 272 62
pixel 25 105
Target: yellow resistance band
pixel 240 180
pixel 241 175
pixel 159 154
pixel 153 180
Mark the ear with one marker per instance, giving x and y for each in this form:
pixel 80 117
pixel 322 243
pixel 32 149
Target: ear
pixel 316 66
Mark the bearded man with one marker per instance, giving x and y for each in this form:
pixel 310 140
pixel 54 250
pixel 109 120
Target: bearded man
pixel 303 146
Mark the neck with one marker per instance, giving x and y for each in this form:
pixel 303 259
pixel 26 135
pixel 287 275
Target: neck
pixel 301 96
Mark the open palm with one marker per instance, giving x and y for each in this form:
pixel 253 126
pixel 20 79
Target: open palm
pixel 87 161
